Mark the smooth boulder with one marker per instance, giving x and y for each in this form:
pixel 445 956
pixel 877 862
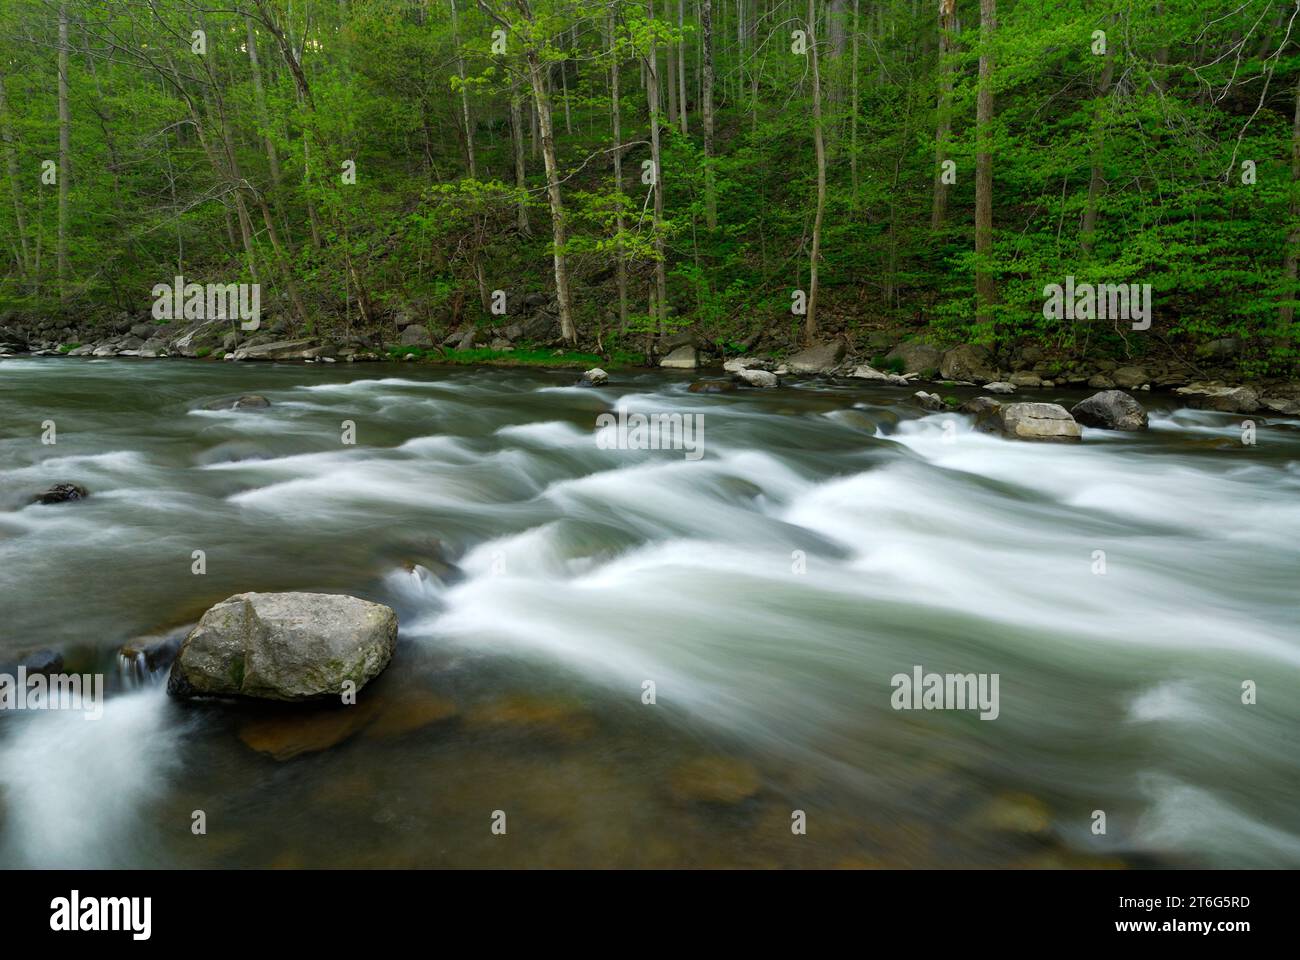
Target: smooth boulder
pixel 1030 421
pixel 284 646
pixel 1110 410
pixel 822 358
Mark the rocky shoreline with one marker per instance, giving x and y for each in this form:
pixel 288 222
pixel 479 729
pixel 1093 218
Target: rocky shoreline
pixel 1209 382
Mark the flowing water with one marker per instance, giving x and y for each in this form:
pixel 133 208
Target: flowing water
pixel 830 537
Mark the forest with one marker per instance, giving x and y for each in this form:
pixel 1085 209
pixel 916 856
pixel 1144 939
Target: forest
pixel 756 172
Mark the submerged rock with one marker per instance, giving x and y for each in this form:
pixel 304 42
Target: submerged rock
pixel 1110 410
pixel 61 493
pixel 712 386
pixel 723 780
pixel 1030 421
pixel 595 377
pixel 284 646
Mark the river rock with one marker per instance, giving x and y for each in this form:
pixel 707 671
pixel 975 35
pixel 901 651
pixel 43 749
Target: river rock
pixel 1099 381
pixel 969 361
pixel 821 358
pixel 979 405
pixel 1000 386
pixel 931 401
pixel 721 780
pixel 684 357
pixel 758 378
pixel 712 386
pixel 415 336
pixel 736 364
pixel 284 646
pixel 61 493
pixel 1224 399
pixel 1110 410
pixel 249 401
pixel 1030 421
pixel 1130 378
pixel 275 350
pixel 1025 378
pixel 917 356
pixel 595 377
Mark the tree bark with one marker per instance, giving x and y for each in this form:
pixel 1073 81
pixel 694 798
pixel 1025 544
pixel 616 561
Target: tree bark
pixel 65 153
pixel 984 165
pixel 706 111
pixel 1286 314
pixel 652 90
pixel 943 125
pixel 819 141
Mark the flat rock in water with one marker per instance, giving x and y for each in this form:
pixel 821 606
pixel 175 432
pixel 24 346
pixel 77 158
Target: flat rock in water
pixel 1030 421
pixel 284 646
pixel 1224 399
pixel 757 378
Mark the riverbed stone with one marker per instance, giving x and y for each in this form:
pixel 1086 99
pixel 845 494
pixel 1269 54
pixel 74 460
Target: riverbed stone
pixel 685 357
pixel 712 386
pixel 284 646
pixel 1130 378
pixel 1000 386
pixel 61 493
pixel 1222 398
pixel 721 780
pixel 1110 410
pixel 758 378
pixel 917 356
pixel 1031 421
pixel 595 377
pixel 969 361
pixel 275 350
pixel 821 358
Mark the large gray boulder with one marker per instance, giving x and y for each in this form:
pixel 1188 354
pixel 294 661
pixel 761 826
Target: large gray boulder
pixel 822 358
pixel 1030 421
pixel 1110 410
pixel 284 646
pixel 971 362
pixel 416 336
pixel 683 358
pixel 916 356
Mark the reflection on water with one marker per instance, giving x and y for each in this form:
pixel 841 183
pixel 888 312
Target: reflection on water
pixel 830 538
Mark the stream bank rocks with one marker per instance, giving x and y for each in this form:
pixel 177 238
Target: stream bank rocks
pixel 284 646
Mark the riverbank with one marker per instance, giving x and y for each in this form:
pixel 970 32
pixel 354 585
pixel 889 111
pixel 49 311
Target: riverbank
pixel 1209 381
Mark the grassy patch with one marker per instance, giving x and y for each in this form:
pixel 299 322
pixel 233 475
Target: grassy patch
pixel 519 357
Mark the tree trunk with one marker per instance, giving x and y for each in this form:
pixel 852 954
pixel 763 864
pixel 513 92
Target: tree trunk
pixel 943 127
pixel 819 141
pixel 464 93
pixel 1286 314
pixel 681 64
pixel 1089 228
pixel 11 167
pixel 652 89
pixel 853 112
pixel 544 121
pixel 706 109
pixel 65 152
pixel 984 165
pixel 620 264
pixel 517 134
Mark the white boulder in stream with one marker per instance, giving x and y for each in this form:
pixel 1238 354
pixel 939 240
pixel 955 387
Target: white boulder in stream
pixel 284 646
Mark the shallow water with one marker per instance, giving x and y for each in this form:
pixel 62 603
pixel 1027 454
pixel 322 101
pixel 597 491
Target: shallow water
pixel 830 538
